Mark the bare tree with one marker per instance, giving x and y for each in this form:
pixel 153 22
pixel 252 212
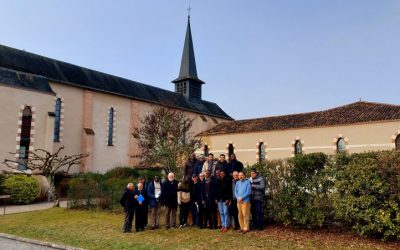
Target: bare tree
pixel 164 138
pixel 48 164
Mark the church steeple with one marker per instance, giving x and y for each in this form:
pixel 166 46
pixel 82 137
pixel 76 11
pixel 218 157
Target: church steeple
pixel 188 83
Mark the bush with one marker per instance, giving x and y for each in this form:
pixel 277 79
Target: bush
pixel 298 190
pixel 368 194
pixel 23 189
pixel 121 172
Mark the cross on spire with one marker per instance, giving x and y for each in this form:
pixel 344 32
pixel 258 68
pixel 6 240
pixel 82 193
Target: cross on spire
pixel 189 9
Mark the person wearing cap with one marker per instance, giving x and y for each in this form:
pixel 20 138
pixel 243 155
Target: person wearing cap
pixel 146 207
pixel 234 164
pixel 257 198
pixel 198 168
pixel 243 193
pixel 154 193
pixel 190 165
pixel 127 201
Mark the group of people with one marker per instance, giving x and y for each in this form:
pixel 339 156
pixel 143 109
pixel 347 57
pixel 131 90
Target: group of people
pixel 209 187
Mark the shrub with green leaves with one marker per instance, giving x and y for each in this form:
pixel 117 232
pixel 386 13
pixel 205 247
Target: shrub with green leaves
pixel 298 190
pixel 22 189
pixel 2 179
pixel 368 194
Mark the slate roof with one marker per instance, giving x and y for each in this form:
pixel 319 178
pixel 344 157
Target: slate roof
pixel 354 113
pixel 66 73
pixel 23 80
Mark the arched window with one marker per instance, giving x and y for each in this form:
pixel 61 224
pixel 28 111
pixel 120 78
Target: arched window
pixel 397 142
pixel 110 127
pixel 25 137
pixel 261 152
pixel 231 149
pixel 340 145
pixel 298 148
pixel 57 120
pixel 206 150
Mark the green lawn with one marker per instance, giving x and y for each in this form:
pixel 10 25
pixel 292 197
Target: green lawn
pixel 102 230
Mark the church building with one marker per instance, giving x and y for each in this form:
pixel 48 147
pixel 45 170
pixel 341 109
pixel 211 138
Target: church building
pixel 49 103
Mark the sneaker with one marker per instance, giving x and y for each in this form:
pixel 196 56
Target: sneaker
pixel 180 226
pixel 245 231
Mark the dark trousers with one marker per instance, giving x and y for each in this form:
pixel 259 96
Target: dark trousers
pixel 201 216
pixel 257 214
pixel 211 215
pixel 170 212
pixel 193 211
pixel 128 220
pixel 183 213
pixel 233 211
pixel 146 218
pixel 140 217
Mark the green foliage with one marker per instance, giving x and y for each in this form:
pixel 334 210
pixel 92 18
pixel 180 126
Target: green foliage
pixel 122 172
pixel 298 190
pixel 23 189
pixel 368 194
pixel 95 190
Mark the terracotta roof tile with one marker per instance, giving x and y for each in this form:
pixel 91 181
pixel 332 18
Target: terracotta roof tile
pixel 354 113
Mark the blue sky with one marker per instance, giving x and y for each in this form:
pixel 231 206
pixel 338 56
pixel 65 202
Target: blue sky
pixel 258 58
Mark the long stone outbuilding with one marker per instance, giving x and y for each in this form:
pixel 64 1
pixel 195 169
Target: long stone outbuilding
pixel 356 127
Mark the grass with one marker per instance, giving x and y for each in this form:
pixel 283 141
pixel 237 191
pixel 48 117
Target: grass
pixel 102 230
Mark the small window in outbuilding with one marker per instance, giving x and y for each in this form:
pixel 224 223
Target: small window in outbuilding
pixel 298 148
pixel 215 120
pixel 203 118
pixel 231 149
pixel 340 145
pixel 206 150
pixel 261 152
pixel 397 142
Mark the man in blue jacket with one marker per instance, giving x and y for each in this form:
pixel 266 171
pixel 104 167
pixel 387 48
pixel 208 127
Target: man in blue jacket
pixel 154 193
pixel 243 193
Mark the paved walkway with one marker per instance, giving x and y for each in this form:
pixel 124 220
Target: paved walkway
pixel 12 242
pixel 13 209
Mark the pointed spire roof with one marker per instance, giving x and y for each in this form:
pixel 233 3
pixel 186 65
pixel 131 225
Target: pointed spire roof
pixel 188 64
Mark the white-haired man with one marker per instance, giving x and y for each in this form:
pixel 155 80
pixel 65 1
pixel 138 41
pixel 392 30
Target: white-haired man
pixel 169 197
pixel 128 202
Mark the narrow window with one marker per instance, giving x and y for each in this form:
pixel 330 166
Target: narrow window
pixel 261 152
pixel 340 145
pixel 57 120
pixel 25 138
pixel 110 127
pixel 231 149
pixel 206 150
pixel 298 148
pixel 398 142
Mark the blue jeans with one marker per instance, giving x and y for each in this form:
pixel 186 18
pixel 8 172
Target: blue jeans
pixel 223 211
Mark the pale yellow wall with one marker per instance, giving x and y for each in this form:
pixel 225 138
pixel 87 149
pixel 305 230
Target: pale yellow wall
pixel 11 100
pixel 279 144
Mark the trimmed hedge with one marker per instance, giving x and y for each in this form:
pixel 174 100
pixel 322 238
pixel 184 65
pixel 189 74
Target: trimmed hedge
pixel 23 189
